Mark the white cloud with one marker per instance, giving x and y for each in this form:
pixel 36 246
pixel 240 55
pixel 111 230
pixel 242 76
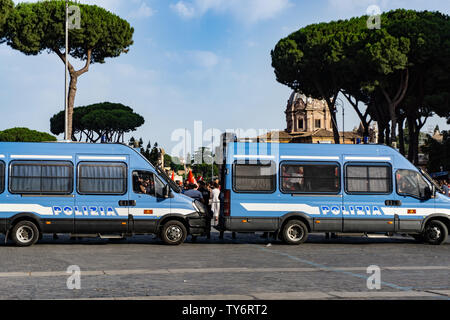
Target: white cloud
pixel 249 11
pixel 184 10
pixel 203 59
pixel 144 11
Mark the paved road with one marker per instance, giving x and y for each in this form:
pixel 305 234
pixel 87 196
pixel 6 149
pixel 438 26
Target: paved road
pixel 248 267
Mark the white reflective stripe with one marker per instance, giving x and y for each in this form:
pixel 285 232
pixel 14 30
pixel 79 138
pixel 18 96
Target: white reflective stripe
pixel 310 157
pixel 369 158
pixel 285 207
pixel 248 156
pixel 403 211
pixel 33 156
pixel 157 212
pixel 2 155
pixel 101 158
pixel 34 208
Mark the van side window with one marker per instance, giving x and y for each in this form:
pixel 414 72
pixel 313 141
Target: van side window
pixel 2 176
pixel 146 182
pixel 362 178
pixel 41 177
pixel 410 183
pixel 310 178
pixel 254 176
pixel 102 178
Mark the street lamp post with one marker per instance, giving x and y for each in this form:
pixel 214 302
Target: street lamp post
pixel 66 96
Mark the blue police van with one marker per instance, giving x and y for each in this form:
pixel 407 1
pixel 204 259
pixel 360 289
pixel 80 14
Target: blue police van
pixel 291 190
pixel 86 190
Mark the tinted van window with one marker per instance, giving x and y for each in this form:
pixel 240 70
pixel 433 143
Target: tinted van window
pixel 102 178
pixel 368 178
pixel 41 177
pixel 254 177
pixel 2 176
pixel 310 178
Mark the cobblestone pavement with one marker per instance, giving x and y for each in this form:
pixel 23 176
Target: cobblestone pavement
pixel 248 267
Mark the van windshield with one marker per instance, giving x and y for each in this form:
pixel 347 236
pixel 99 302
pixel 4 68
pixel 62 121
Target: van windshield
pixel 431 180
pixel 162 174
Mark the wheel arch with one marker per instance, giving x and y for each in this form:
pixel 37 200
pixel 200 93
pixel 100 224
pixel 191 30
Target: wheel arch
pixel 307 220
pixel 444 218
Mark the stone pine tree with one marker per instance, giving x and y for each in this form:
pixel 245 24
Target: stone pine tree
pixel 6 6
pixel 33 28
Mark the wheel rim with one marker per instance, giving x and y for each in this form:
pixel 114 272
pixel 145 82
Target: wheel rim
pixel 434 233
pixel 174 233
pixel 295 232
pixel 25 234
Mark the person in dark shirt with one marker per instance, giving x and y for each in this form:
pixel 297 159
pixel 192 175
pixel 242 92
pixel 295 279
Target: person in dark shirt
pixel 194 193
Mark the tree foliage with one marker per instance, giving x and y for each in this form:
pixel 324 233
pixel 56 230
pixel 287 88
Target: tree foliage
pixel 33 28
pixel 438 153
pixel 25 135
pixel 398 73
pixel 6 6
pixel 91 123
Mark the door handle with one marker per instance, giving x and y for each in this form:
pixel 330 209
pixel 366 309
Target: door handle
pixel 127 203
pixel 393 203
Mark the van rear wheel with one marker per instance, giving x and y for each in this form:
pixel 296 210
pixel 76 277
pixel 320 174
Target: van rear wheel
pixel 25 233
pixel 294 232
pixel 173 232
pixel 435 232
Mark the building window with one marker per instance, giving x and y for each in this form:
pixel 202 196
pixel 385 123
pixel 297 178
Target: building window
pixel 2 176
pixel 310 178
pixel 368 179
pixel 300 123
pixel 254 177
pixel 102 178
pixel 317 123
pixel 41 177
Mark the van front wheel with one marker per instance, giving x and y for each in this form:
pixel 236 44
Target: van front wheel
pixel 435 232
pixel 25 233
pixel 294 232
pixel 173 232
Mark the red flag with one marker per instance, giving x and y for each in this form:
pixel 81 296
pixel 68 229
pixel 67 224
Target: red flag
pixel 191 178
pixel 199 178
pixel 173 175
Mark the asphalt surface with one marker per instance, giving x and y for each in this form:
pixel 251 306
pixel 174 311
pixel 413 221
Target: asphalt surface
pixel 248 267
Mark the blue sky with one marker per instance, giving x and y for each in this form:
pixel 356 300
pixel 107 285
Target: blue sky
pixel 205 60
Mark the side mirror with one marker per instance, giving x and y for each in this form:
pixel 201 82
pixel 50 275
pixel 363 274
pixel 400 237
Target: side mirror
pixel 166 191
pixel 428 193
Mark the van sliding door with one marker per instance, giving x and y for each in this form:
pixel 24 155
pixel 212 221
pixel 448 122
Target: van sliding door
pixel 102 202
pixel 368 191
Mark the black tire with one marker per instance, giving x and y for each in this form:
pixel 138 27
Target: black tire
pixel 173 232
pixel 294 232
pixel 435 232
pixel 25 233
